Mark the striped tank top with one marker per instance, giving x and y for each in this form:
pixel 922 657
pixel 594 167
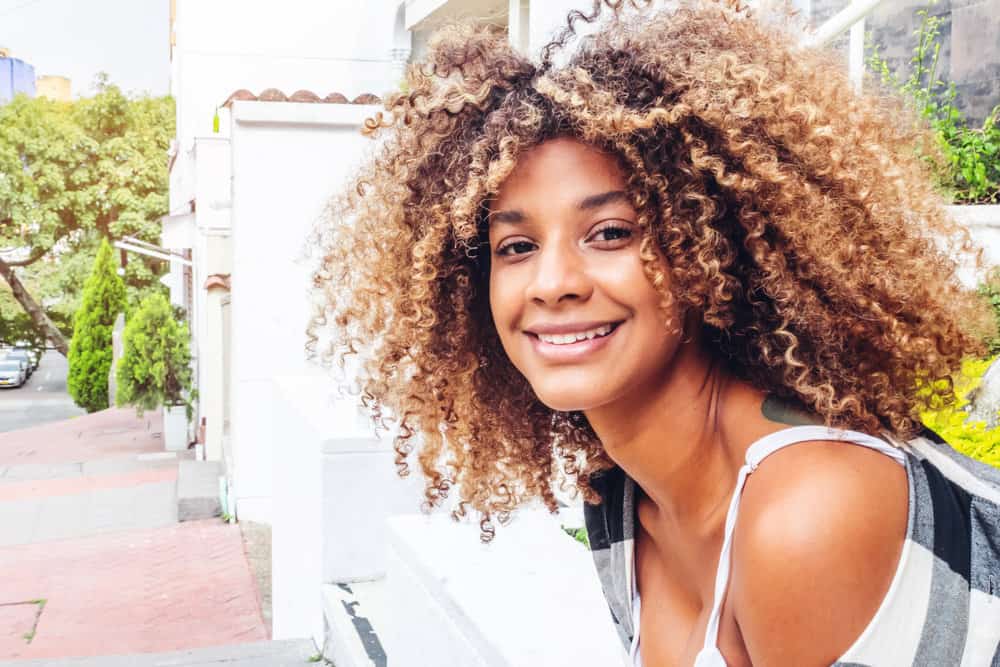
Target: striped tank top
pixel 943 605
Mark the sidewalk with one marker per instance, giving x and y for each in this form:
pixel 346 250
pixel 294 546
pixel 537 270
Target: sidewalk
pixel 94 563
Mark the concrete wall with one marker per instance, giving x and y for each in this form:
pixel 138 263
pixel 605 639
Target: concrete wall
pixel 970 44
pixel 531 597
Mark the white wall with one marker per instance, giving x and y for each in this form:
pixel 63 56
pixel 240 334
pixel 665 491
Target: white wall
pixel 222 46
pixel 546 17
pixel 531 597
pixel 287 161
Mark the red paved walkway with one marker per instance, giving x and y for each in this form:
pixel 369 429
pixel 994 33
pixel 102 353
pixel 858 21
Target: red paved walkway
pixel 183 586
pixel 102 435
pixel 44 488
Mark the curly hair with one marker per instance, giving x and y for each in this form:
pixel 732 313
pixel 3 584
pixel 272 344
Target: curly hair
pixel 795 216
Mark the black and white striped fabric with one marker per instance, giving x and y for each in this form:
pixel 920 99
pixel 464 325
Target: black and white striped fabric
pixel 943 606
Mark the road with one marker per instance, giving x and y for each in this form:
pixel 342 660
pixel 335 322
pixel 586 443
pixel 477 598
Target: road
pixel 42 399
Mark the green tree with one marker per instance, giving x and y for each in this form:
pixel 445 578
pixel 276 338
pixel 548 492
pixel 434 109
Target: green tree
pixel 90 351
pixel 70 174
pixel 155 367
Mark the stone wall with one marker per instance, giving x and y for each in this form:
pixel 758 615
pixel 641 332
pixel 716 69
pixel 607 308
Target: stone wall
pixel 970 44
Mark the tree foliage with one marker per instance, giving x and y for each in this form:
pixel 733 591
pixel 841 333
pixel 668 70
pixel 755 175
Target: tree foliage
pixel 90 351
pixel 155 367
pixel 72 173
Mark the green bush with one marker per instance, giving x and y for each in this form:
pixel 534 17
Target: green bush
pixel 155 368
pixel 90 350
pixel 971 438
pixel 971 170
pixel 578 534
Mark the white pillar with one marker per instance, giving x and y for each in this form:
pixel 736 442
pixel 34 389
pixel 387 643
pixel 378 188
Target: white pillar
pixel 519 24
pixel 856 56
pixel 213 377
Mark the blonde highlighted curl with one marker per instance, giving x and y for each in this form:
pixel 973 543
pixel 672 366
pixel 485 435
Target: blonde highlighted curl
pixel 795 217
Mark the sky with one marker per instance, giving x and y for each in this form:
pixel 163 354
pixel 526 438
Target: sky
pixel 128 39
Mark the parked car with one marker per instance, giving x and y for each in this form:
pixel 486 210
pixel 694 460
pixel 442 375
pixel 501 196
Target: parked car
pixel 23 355
pixel 33 356
pixel 13 373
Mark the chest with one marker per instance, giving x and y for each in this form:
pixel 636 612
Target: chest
pixel 677 594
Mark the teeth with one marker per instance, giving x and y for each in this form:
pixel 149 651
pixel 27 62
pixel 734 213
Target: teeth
pixel 567 339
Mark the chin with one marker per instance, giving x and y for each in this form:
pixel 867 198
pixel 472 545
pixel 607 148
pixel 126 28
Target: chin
pixel 562 400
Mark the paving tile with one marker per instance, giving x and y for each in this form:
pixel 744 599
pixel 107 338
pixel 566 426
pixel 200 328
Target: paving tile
pixel 19 519
pixel 60 517
pixel 16 624
pixel 32 471
pixel 109 433
pixel 137 591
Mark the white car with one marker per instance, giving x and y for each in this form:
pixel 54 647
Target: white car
pixel 13 373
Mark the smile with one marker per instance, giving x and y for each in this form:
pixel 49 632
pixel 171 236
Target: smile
pixel 571 346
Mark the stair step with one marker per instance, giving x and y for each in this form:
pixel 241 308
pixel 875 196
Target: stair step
pixel 198 490
pixel 354 614
pixel 284 653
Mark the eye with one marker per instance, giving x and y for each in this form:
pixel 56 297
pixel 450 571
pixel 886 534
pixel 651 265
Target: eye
pixel 613 234
pixel 515 247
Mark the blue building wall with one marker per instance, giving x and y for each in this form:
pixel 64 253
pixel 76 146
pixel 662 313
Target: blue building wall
pixel 16 76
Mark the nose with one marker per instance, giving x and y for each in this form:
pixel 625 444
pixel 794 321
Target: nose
pixel 560 275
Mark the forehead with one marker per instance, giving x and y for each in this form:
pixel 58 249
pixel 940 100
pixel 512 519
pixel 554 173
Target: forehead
pixel 562 170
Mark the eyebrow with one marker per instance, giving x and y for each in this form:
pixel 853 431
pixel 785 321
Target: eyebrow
pixel 597 201
pixel 515 216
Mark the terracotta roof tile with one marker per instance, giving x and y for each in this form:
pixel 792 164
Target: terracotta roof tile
pixel 272 95
pixel 336 98
pixel 303 96
pixel 239 96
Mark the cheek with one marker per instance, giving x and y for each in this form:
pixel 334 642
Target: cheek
pixel 504 306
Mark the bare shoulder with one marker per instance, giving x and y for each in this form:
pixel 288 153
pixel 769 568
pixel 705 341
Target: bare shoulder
pixel 818 539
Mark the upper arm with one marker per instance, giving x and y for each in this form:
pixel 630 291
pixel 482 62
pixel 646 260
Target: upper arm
pixel 818 539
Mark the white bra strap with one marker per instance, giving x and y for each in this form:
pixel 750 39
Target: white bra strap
pixel 756 453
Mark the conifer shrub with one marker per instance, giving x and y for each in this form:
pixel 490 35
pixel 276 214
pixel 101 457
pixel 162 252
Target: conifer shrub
pixel 90 351
pixel 155 368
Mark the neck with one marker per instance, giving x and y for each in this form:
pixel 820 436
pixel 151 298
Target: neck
pixel 674 439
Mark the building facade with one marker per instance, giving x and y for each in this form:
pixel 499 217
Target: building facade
pixel 16 77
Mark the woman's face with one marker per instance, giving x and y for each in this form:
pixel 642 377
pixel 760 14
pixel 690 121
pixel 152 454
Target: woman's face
pixel 573 308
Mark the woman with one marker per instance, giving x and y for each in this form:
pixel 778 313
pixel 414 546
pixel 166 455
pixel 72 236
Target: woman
pixel 648 269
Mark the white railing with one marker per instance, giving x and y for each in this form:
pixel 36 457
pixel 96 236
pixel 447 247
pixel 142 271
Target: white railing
pixel 851 17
